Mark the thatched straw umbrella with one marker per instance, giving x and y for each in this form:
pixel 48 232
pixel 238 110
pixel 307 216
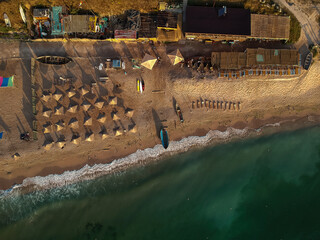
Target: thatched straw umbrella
pixel 87 121
pixel 45 97
pixel 83 91
pixel 61 143
pixel 115 116
pixel 72 108
pixel 102 118
pixel 48 145
pixel 60 125
pixel 129 112
pixel 118 132
pixel 99 104
pixel 71 92
pixel 133 129
pixel 85 105
pixel 74 123
pixel 76 140
pixel 57 95
pixel 47 128
pixel 59 110
pixel 47 113
pixel 113 101
pixel 89 137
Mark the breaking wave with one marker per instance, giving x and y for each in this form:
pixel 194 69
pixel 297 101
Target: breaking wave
pixel 139 157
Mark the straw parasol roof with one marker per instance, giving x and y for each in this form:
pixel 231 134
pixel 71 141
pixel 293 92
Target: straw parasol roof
pixel 87 121
pixel 72 108
pixel 148 61
pixel 74 123
pixel 113 100
pixel 129 112
pixel 61 143
pixel 60 125
pixel 104 134
pixel 175 57
pixel 102 118
pixel 47 128
pixel 59 110
pixel 45 97
pixel 89 137
pixel 85 105
pixel 83 91
pixel 118 133
pixel 48 145
pixel 16 156
pixel 57 95
pixel 76 140
pixel 47 113
pixel 71 92
pixel 133 129
pixel 115 117
pixel 99 104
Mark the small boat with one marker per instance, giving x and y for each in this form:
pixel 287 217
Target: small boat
pixel 308 60
pixel 138 85
pixel 179 113
pixel 164 138
pixel 6 20
pixel 141 86
pixel 57 60
pixel 23 14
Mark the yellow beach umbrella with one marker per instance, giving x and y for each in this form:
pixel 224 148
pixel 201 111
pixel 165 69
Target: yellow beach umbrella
pixel 148 61
pixel 175 57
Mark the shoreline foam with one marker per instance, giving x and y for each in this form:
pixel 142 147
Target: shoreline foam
pixel 144 156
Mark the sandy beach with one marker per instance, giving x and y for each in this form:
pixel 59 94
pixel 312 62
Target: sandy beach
pixel 262 101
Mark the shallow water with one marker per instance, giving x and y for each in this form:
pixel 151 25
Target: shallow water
pixel 261 188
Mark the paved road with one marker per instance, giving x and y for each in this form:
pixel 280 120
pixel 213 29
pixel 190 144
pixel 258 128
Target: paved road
pixel 307 19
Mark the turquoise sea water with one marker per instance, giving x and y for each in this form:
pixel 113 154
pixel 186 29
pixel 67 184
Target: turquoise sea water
pixel 261 188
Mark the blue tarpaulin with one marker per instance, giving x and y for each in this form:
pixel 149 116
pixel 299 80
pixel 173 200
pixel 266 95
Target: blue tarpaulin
pixel 1 135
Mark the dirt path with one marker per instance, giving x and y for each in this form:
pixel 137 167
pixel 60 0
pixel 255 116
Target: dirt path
pixel 307 16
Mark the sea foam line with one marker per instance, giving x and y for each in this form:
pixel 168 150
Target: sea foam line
pixel 90 172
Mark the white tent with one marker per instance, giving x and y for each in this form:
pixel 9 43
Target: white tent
pixel 57 95
pixel 102 118
pixel 85 105
pixel 113 100
pixel 87 121
pixel 129 112
pixel 74 123
pixel 89 137
pixel 175 57
pixel 148 61
pixel 59 110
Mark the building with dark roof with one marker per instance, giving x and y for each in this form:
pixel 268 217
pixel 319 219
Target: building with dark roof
pixel 207 23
